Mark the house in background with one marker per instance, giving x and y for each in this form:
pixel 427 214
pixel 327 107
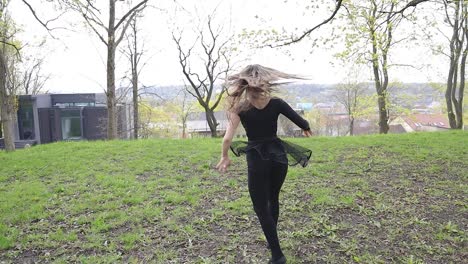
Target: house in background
pixel 48 118
pixel 421 122
pixel 197 126
pixel 405 124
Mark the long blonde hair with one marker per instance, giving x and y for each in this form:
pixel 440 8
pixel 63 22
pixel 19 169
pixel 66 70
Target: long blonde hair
pixel 259 80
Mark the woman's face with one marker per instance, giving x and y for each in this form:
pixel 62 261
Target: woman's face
pixel 255 93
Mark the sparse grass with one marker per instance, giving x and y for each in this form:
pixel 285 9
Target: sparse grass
pixel 372 199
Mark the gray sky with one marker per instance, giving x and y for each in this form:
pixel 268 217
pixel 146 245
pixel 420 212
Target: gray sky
pixel 76 60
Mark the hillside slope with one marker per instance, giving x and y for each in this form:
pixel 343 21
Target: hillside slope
pixel 373 199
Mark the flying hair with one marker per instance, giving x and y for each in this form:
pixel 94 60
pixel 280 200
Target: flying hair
pixel 259 80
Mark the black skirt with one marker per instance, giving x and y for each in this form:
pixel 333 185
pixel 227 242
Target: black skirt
pixel 274 149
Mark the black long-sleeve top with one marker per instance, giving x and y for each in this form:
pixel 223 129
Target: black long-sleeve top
pixel 263 123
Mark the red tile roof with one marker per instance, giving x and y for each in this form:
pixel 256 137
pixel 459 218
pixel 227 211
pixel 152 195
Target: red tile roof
pixel 434 120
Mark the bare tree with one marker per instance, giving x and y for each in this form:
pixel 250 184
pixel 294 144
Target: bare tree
pixel 349 94
pixel 110 35
pixel 33 79
pixel 185 108
pixel 457 18
pixel 134 52
pixel 216 63
pixel 145 120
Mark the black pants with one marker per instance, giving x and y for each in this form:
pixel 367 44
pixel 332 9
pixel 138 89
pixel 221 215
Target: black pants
pixel 265 178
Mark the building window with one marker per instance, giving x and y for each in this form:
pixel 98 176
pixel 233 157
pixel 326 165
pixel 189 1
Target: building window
pixel 84 104
pixel 26 121
pixel 71 124
pixel 75 104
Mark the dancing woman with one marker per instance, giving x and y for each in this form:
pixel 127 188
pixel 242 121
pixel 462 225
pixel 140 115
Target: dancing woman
pixel 250 103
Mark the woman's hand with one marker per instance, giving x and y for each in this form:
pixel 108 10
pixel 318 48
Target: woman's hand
pixel 223 164
pixel 307 133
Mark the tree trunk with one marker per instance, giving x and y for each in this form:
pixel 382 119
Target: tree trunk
pixel 8 125
pixel 134 59
pixel 184 123
pixel 382 99
pixel 136 122
pixel 111 100
pixel 450 114
pixel 134 62
pixel 461 88
pixel 383 117
pixel 212 122
pixel 383 114
pixel 351 126
pixel 6 114
pixel 7 107
pixel 449 91
pixel 452 79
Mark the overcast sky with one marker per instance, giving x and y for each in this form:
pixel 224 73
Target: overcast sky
pixel 76 59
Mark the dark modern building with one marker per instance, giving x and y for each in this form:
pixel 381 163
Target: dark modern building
pixel 48 118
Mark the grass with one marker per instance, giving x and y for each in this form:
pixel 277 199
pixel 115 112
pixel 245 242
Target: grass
pixel 372 199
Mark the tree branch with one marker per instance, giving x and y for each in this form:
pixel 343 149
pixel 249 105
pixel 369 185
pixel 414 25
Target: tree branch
pixel 125 28
pixel 18 49
pixel 90 4
pixel 404 65
pixel 35 15
pixel 183 62
pixel 150 93
pixel 413 3
pixel 44 24
pixel 306 33
pixel 94 18
pixel 90 24
pixel 129 13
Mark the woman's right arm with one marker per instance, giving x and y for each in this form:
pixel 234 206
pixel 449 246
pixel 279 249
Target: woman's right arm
pixel 224 162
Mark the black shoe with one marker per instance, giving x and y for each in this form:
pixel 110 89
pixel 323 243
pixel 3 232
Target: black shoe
pixel 281 260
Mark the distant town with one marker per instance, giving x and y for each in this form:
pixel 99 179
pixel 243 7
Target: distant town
pixel 171 112
pixel 415 107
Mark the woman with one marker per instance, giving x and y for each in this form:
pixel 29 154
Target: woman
pixel 250 102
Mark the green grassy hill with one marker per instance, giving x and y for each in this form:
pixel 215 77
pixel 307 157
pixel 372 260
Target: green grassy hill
pixel 373 199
